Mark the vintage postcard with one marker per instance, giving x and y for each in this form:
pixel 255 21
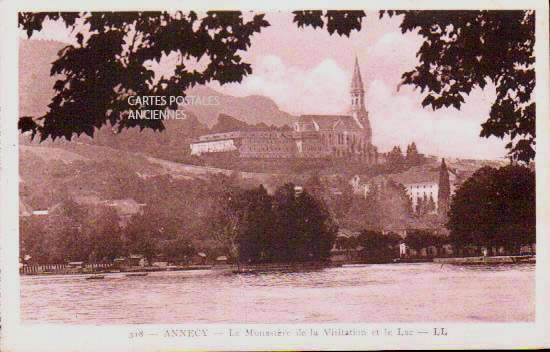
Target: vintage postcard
pixel 243 176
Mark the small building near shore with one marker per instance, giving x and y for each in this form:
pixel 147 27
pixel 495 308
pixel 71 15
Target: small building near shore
pixel 132 260
pixel 200 258
pixel 222 259
pixel 75 265
pixel 345 247
pixel 120 261
pixel 135 260
pixel 432 251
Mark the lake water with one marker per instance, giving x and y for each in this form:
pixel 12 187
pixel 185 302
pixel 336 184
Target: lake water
pixel 424 292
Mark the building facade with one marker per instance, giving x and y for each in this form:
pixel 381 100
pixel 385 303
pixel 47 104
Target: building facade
pixel 215 143
pixel 438 189
pixel 312 136
pixel 423 190
pixel 420 184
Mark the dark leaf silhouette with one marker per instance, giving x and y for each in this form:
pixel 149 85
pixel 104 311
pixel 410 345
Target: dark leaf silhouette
pixel 337 21
pixel 463 50
pixel 97 76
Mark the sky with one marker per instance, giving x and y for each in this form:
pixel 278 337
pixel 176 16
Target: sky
pixel 308 71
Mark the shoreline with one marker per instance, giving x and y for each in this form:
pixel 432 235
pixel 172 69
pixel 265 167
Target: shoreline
pixel 127 270
pixel 293 267
pixel 503 259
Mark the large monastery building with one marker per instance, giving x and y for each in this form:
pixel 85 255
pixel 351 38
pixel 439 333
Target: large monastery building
pixel 312 136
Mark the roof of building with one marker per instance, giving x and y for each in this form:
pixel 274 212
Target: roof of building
pixel 242 134
pixel 218 136
pixel 423 174
pixel 347 123
pixel 347 233
pixel 327 122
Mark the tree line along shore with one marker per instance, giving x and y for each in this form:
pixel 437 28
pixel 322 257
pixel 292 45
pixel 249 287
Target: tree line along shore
pixel 224 220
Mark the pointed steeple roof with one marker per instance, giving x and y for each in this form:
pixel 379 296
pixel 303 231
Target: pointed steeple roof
pixel 356 81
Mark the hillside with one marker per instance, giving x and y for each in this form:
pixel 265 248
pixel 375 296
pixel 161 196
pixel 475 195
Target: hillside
pixel 468 166
pixel 51 172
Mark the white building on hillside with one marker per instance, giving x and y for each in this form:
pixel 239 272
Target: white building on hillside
pixel 420 182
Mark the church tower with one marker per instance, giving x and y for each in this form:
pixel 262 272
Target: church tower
pixel 357 108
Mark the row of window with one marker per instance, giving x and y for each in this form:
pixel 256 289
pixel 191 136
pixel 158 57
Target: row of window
pixel 266 155
pixel 269 148
pixel 313 147
pixel 423 187
pixel 219 136
pixel 343 139
pixel 266 141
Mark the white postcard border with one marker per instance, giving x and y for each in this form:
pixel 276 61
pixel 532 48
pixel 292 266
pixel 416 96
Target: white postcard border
pixel 50 337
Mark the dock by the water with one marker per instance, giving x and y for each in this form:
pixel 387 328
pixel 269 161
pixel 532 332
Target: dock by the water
pixel 505 259
pixel 63 269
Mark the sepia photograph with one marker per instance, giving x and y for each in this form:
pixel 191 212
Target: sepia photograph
pixel 277 167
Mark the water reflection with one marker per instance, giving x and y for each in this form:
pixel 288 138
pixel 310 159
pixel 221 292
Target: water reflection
pixel 366 293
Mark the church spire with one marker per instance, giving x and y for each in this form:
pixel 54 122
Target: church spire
pixel 356 81
pixel 357 108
